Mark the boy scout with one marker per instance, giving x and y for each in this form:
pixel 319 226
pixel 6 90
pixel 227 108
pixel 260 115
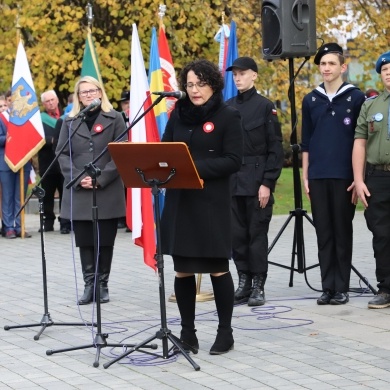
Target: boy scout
pixel 371 167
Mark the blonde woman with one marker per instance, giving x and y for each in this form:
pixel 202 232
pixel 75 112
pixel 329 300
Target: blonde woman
pixel 100 126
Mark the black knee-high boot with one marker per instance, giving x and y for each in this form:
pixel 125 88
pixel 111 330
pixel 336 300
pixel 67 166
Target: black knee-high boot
pixel 105 260
pixel 88 268
pixel 185 292
pixel 224 301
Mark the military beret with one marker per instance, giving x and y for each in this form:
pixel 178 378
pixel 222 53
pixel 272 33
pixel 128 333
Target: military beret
pixel 382 60
pixel 243 63
pixel 125 95
pixel 326 49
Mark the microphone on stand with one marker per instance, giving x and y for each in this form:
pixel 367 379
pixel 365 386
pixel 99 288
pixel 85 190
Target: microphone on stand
pixel 95 103
pixel 176 94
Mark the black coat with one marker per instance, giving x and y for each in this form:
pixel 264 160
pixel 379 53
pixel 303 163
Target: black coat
pixel 197 223
pixel 263 149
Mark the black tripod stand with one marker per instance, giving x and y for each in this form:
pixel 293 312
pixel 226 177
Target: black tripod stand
pixel 100 340
pixel 46 320
pixel 168 158
pixel 298 246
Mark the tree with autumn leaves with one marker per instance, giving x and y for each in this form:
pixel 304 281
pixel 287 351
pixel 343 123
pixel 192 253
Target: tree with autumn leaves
pixel 54 35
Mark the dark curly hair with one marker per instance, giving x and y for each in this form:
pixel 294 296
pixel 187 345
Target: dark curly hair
pixel 206 71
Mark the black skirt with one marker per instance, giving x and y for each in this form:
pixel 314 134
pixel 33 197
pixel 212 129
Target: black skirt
pixel 200 265
pixel 107 229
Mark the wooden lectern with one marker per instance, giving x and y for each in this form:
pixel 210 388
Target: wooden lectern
pixel 156 160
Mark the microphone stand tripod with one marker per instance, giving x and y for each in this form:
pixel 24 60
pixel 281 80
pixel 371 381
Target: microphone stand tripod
pixel 99 341
pixel 46 320
pixel 298 246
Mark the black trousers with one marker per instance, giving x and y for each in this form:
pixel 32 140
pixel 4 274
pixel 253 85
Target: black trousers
pixel 377 217
pixel 250 225
pixel 333 214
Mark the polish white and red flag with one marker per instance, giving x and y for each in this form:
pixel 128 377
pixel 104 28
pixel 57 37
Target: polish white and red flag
pixel 140 213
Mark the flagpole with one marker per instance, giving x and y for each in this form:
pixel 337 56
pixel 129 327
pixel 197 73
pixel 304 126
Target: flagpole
pixel 21 170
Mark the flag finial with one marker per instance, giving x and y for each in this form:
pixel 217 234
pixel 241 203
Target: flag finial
pixel 162 8
pixel 89 15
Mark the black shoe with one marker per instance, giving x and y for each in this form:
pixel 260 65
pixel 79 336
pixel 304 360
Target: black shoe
pixel 224 342
pixel 104 296
pixel 257 297
pixel 87 296
pixel 64 230
pixel 188 342
pixel 244 289
pixel 325 298
pixel 381 301
pixel 339 298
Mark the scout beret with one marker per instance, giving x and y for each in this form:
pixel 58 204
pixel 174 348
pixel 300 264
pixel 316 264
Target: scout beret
pixel 326 49
pixel 382 60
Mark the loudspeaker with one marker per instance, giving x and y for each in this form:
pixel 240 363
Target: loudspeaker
pixel 289 28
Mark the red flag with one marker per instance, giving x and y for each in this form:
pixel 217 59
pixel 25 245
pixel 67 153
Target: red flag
pixel 140 199
pixel 167 69
pixel 25 134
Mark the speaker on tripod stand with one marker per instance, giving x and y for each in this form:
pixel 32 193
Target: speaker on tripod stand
pixel 289 31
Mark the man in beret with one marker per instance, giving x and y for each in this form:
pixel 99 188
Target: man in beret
pixel 254 184
pixel 371 168
pixel 329 115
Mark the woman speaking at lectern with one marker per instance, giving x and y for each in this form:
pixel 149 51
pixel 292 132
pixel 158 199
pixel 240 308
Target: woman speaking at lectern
pixel 196 224
pixel 102 124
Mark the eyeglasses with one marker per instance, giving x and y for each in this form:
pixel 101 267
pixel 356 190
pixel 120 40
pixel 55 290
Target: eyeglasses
pixel 199 84
pixel 91 92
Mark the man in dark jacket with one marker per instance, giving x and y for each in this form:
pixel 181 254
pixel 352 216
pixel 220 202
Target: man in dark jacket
pixel 254 184
pixel 54 180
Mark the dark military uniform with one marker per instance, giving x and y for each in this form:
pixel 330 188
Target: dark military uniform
pixel 261 165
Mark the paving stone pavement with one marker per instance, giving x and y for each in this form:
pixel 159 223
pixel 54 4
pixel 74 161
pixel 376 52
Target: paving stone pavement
pixel 290 343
